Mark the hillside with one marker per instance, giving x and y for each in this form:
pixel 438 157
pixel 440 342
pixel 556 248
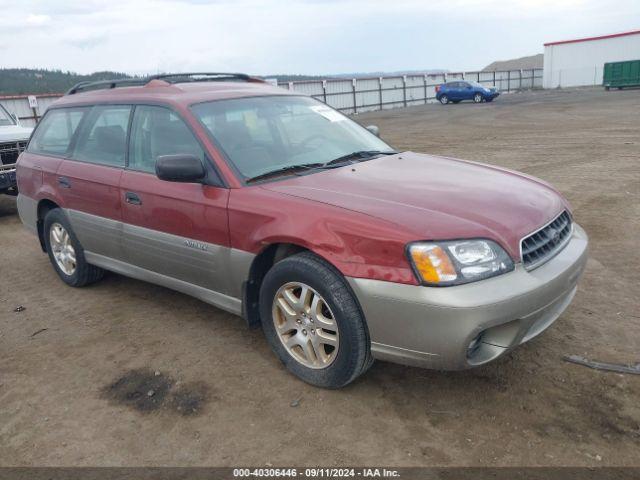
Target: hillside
pixel 532 61
pixel 19 81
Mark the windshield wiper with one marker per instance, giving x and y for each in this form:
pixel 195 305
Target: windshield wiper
pixel 285 170
pixel 358 155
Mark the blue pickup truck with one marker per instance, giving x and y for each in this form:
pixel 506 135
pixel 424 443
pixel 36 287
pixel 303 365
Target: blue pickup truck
pixel 13 140
pixel 458 90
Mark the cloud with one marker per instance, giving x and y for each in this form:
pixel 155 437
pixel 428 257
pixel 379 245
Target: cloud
pixel 38 20
pixel 87 42
pixel 295 36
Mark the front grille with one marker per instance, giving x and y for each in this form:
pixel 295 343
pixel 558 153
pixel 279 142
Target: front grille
pixel 543 244
pixel 9 152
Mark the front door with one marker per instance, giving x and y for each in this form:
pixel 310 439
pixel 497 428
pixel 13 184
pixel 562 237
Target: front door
pixel 466 91
pixel 179 230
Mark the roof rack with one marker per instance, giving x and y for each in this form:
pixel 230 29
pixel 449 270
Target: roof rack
pixel 200 77
pixel 167 77
pixel 106 84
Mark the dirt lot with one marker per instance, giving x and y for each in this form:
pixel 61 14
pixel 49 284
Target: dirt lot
pixel 72 361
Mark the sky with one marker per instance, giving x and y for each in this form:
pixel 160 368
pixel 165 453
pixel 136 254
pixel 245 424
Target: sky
pixel 295 36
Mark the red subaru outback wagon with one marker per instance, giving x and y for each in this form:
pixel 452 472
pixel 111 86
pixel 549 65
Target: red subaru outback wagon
pixel 270 205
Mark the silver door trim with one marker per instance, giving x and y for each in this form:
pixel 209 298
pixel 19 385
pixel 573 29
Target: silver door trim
pixel 224 302
pixel 212 267
pixel 98 234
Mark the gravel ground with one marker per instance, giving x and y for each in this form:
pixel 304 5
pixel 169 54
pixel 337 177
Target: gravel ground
pixel 127 373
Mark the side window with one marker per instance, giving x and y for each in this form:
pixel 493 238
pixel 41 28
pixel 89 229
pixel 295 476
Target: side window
pixel 157 131
pixel 103 139
pixel 55 131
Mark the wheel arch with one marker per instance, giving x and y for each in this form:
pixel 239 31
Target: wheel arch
pixel 261 264
pixel 45 205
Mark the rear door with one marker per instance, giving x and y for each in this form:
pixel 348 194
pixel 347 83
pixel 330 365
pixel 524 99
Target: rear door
pixel 175 229
pixel 88 181
pixel 453 91
pixel 48 147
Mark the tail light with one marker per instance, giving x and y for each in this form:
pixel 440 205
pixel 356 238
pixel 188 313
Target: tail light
pixel 437 88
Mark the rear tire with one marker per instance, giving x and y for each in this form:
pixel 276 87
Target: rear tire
pixel 65 252
pixel 444 99
pixel 477 98
pixel 290 331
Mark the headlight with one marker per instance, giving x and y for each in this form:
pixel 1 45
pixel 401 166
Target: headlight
pixel 458 261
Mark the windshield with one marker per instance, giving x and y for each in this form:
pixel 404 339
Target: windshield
pixel 5 118
pixel 264 134
pixel 478 85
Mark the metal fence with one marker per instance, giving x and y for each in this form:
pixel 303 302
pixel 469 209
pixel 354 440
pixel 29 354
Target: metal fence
pixel 28 115
pixel 355 95
pixel 347 95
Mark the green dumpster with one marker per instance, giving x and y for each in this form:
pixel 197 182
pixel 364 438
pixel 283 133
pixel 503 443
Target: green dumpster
pixel 621 74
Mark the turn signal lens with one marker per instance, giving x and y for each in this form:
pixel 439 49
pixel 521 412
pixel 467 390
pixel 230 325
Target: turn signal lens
pixel 432 263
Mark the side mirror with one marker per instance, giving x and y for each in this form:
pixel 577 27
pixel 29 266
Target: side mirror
pixel 180 168
pixel 373 129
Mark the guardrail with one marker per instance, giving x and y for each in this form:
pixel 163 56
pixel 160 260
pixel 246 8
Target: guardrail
pixel 354 95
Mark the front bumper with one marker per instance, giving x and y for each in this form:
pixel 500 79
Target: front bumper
pixel 7 177
pixel 433 327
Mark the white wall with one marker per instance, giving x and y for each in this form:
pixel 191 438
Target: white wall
pixel 582 63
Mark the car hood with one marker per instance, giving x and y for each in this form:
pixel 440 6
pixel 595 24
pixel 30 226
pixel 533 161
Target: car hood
pixel 435 198
pixel 15 133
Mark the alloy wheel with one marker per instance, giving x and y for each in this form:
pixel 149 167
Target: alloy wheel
pixel 305 325
pixel 62 249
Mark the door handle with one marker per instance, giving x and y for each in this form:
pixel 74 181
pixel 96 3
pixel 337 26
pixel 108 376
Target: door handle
pixel 132 198
pixel 64 182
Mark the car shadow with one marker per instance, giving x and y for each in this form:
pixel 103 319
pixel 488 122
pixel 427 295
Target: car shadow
pixel 8 206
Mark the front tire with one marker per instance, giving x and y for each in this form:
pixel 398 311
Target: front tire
pixel 477 98
pixel 313 322
pixel 65 252
pixel 444 99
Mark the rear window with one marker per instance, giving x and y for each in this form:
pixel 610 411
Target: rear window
pixel 103 139
pixel 55 131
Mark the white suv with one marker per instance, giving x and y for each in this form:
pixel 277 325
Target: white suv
pixel 13 140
